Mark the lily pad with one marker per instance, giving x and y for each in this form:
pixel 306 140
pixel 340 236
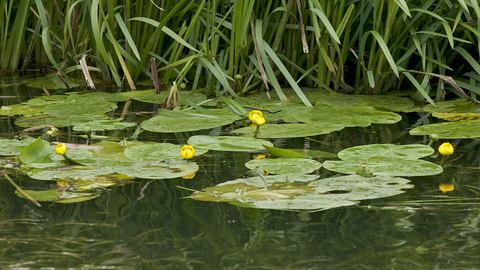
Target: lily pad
pixel 227 143
pixel 284 165
pixel 180 121
pixel 13 147
pixel 386 166
pixel 457 116
pixel 59 196
pixel 102 125
pixel 362 116
pixel 366 152
pixel 159 170
pixel 385 102
pixel 74 107
pixel 78 172
pixel 289 130
pixel 450 106
pixel 385 159
pixel 450 130
pixel 158 152
pixel 303 193
pixel 19 109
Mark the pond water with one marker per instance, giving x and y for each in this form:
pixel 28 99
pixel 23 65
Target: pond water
pixel 149 224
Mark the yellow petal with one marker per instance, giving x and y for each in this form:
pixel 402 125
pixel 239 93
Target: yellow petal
pixel 187 151
pixel 445 149
pixel 253 114
pixel 61 149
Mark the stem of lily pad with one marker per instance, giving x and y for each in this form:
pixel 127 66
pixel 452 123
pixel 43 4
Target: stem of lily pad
pixel 261 176
pixel 256 131
pixel 244 123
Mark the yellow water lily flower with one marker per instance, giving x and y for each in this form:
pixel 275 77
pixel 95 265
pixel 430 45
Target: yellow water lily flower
pixel 61 149
pixel 446 187
pixel 254 114
pixel 259 120
pixel 445 149
pixel 190 176
pixel 187 151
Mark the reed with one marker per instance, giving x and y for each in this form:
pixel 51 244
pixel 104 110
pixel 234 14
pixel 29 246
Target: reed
pixel 357 46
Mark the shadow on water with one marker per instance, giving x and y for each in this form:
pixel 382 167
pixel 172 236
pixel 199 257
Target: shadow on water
pixel 150 225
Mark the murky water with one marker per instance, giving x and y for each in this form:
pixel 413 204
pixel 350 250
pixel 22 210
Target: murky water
pixel 150 225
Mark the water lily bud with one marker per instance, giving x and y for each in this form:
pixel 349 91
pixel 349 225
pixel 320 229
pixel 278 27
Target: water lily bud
pixel 61 149
pixel 183 85
pixel 50 133
pixel 259 120
pixel 253 114
pixel 433 137
pixel 446 187
pixel 445 149
pixel 187 151
pixel 238 77
pixel 87 130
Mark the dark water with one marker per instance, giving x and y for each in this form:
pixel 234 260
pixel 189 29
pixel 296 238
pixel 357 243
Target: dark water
pixel 149 225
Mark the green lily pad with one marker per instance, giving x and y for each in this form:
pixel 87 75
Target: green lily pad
pixel 289 130
pixel 301 193
pixel 227 143
pixel 385 102
pixel 284 165
pixel 43 101
pixel 77 172
pixel 386 166
pixel 107 97
pixel 449 106
pixel 159 170
pixel 362 116
pixel 102 125
pixel 13 147
pixel 70 120
pixel 385 159
pixel 366 152
pixel 59 196
pixel 181 121
pixel 74 107
pixel 19 109
pixel 450 130
pixel 158 152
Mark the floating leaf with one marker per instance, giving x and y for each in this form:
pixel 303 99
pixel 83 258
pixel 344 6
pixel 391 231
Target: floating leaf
pixel 385 159
pixel 151 97
pixel 274 151
pixel 366 152
pixel 386 102
pixel 69 120
pixel 315 153
pixel 158 152
pixel 186 121
pixel 450 130
pixel 71 173
pixel 159 170
pixel 13 147
pixel 301 193
pixel 457 116
pixel 288 130
pixel 386 166
pixel 19 109
pixel 284 165
pixel 227 143
pixel 59 196
pixel 450 106
pixel 53 82
pixel 102 125
pixel 362 116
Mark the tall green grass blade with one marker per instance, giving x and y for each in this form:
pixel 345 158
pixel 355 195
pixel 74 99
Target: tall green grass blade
pixel 13 49
pixel 327 24
pixel 287 75
pixel 470 59
pixel 127 35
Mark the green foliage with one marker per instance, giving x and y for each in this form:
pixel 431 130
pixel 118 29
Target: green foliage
pixel 391 44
